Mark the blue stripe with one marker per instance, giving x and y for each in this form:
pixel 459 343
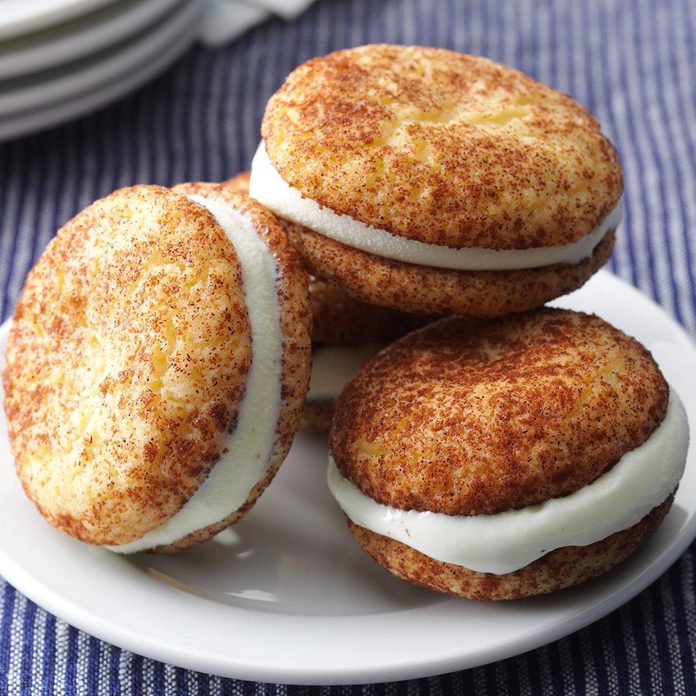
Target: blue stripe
pixel 94 661
pixel 578 662
pixel 688 138
pixel 675 641
pixel 203 684
pixel 621 663
pixel 114 680
pixel 556 669
pixel 659 165
pixel 28 628
pixel 136 675
pixel 49 657
pixel 610 32
pixel 685 616
pixel 181 682
pixel 658 634
pixel 158 678
pixel 633 119
pixel 71 662
pixel 673 171
pixel 636 614
pixel 24 261
pixel 599 654
pixel 534 660
pixel 5 240
pixel 15 228
pixel 8 604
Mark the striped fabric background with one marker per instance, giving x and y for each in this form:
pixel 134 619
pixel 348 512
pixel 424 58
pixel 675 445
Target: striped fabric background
pixel 632 62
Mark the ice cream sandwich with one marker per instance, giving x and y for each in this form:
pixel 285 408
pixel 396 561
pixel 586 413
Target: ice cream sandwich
pixel 430 181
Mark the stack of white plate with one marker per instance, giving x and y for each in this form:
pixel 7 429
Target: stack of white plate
pixel 64 58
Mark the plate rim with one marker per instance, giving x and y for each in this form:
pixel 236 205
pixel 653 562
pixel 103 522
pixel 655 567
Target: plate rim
pixel 95 624
pixel 57 13
pixel 75 42
pixel 86 102
pixel 114 62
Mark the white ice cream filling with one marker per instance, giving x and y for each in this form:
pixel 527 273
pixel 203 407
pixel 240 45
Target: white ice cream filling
pixel 269 188
pixel 248 448
pixel 507 541
pixel 333 366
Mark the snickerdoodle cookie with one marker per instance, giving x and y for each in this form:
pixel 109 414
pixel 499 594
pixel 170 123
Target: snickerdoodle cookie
pixel 157 365
pixel 427 180
pixel 506 459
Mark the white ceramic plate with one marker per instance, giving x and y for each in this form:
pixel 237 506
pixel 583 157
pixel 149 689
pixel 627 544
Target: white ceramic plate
pixel 287 596
pixel 80 37
pixel 87 101
pixel 19 17
pixel 56 87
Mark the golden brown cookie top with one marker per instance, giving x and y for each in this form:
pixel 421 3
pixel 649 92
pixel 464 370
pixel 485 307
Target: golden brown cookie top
pixel 442 147
pixel 126 364
pixel 469 419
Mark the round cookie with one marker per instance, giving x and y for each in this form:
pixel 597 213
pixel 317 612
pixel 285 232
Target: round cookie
pixel 427 180
pixel 507 459
pixel 345 334
pixel 156 367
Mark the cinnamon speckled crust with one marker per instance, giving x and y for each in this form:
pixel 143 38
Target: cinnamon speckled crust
pixel 342 320
pixel 317 414
pixel 239 183
pixel 467 419
pixel 411 288
pixel 296 325
pixel 441 147
pixel 126 364
pixel 564 567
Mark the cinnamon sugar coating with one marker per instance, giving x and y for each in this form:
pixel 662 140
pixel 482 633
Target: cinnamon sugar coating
pixel 411 288
pixel 239 182
pixel 317 414
pixel 295 324
pixel 342 320
pixel 441 147
pixel 128 358
pixel 564 567
pixel 467 418
pixel 126 364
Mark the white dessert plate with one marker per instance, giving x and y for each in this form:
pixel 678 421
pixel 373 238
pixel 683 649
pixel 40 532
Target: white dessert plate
pixel 58 86
pixel 19 17
pixel 287 596
pixel 89 100
pixel 82 36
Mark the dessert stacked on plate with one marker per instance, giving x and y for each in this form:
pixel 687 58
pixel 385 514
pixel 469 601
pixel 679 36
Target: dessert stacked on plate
pixel 159 358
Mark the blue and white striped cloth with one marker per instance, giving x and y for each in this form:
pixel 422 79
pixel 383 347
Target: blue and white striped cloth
pixel 632 62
